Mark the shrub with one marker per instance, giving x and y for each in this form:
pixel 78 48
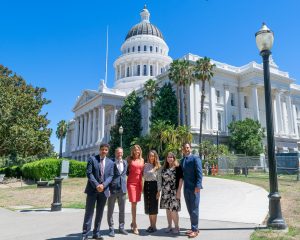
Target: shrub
pixel 77 169
pixel 14 171
pixel 45 169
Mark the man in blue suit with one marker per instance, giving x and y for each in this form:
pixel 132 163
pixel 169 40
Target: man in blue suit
pixel 99 173
pixel 118 191
pixel 192 179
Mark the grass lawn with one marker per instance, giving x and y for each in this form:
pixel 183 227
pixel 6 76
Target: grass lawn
pixel 289 190
pixel 72 195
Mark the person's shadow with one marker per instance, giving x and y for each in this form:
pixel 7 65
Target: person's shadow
pixel 72 236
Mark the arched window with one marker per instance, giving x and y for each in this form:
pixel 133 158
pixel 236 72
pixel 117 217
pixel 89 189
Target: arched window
pixel 151 70
pixel 139 48
pixel 133 49
pixel 127 72
pixel 138 70
pixel 145 70
pixel 151 48
pixel 145 48
pixel 156 49
pixel 128 50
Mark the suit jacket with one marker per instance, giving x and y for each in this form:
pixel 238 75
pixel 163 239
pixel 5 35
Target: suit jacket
pixel 94 175
pixel 192 172
pixel 118 183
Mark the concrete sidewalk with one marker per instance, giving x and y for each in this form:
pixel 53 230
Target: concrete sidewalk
pixel 230 210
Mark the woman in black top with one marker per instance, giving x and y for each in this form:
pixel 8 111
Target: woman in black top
pixel 170 186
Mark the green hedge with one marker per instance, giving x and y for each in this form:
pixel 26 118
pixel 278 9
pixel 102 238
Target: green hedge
pixel 14 171
pixel 47 169
pixel 77 169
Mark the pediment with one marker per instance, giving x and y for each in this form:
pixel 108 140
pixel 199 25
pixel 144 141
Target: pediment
pixel 85 97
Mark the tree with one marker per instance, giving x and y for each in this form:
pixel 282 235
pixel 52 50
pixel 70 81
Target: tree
pixel 129 117
pixel 24 129
pixel 150 91
pixel 211 152
pixel 165 107
pixel 246 137
pixel 203 71
pixel 174 75
pixel 61 133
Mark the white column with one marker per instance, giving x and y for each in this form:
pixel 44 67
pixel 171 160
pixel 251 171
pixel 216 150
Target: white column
pixel 148 69
pixel 255 102
pixel 227 107
pixel 279 111
pixel 276 130
pixel 284 116
pixel 192 105
pixel 101 123
pixel 80 131
pixel 295 121
pixel 76 132
pixel 197 104
pixel 85 128
pixel 126 69
pixel 115 116
pixel 132 69
pixel 94 133
pixel 89 128
pixel 212 108
pixel 157 72
pixel 290 115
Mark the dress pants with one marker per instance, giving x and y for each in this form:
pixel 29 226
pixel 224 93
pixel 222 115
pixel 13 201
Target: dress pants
pixel 192 201
pixel 121 197
pixel 91 199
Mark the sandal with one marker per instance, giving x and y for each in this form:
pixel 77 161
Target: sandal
pixel 168 230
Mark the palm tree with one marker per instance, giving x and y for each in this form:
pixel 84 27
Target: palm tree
pixel 174 75
pixel 181 74
pixel 203 71
pixel 150 91
pixel 61 133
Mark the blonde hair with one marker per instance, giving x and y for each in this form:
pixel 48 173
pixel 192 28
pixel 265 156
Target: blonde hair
pixel 166 164
pixel 131 157
pixel 156 159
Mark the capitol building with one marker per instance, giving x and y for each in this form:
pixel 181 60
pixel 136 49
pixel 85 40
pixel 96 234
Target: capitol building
pixel 235 93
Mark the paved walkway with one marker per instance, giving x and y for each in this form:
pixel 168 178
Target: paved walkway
pixel 230 210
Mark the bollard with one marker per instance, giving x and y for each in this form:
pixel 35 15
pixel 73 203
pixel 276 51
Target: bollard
pixel 56 205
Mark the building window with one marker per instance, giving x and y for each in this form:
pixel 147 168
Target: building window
pixel 138 70
pixel 161 70
pixel 133 49
pixel 127 72
pixel 233 119
pixel 145 48
pixel 145 70
pixel 150 48
pixel 151 70
pixel 128 50
pixel 219 121
pixel 246 102
pixel 139 48
pixel 156 49
pixel 218 96
pixel 232 99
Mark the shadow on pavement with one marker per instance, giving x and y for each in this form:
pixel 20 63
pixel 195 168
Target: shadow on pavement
pixel 68 237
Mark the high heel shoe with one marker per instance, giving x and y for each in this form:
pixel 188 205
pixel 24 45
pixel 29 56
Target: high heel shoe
pixel 134 229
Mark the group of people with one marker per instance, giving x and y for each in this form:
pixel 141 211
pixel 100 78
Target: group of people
pixel 110 180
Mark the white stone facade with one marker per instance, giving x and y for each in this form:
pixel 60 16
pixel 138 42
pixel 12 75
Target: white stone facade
pixel 235 93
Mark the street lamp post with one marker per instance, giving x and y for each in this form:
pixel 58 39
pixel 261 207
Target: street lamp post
pixel 264 40
pixel 121 133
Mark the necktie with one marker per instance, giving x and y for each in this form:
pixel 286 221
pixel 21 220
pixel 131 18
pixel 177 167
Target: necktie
pixel 102 169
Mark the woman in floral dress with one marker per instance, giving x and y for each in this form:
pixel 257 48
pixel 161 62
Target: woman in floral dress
pixel 170 185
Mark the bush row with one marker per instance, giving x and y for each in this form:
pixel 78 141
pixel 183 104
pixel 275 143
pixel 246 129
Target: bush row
pixel 45 169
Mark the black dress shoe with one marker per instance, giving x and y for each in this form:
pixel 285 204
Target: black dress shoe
pixel 123 231
pixel 111 233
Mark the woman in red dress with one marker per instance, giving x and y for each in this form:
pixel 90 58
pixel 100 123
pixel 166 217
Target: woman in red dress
pixel 134 181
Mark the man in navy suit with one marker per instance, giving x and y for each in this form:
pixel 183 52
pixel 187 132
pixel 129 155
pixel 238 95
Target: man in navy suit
pixel 118 191
pixel 99 173
pixel 192 178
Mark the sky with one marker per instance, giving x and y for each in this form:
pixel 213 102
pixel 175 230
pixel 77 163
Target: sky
pixel 61 45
